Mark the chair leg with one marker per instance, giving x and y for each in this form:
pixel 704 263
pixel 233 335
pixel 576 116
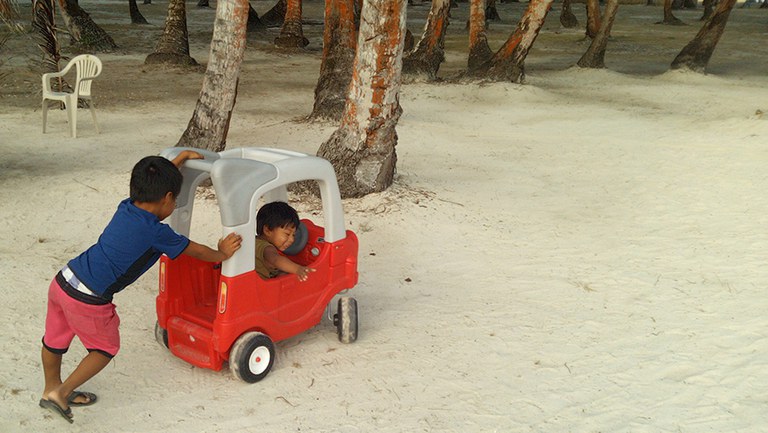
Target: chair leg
pixel 45 114
pixel 93 114
pixel 72 116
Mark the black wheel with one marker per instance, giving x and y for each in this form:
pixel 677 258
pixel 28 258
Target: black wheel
pixel 161 335
pixel 251 357
pixel 345 320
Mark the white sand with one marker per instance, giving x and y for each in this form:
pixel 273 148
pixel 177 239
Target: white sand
pixel 582 253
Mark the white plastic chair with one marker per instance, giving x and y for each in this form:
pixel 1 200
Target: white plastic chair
pixel 87 67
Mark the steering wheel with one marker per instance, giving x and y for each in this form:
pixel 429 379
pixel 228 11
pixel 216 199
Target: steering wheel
pixel 299 241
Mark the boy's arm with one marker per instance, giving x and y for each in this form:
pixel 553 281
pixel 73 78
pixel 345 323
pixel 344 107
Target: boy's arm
pixel 185 155
pixel 227 247
pixel 276 260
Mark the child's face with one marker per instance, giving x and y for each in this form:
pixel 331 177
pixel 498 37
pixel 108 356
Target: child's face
pixel 280 237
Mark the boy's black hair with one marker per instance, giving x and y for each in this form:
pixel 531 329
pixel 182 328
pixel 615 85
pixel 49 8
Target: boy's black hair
pixel 153 177
pixel 276 214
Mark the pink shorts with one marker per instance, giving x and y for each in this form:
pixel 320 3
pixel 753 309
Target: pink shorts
pixel 97 326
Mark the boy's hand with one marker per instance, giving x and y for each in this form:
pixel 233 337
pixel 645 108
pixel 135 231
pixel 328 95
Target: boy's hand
pixel 230 244
pixel 191 154
pixel 303 273
pixel 185 155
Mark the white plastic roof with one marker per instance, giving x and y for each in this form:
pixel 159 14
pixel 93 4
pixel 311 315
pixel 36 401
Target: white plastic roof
pixel 240 178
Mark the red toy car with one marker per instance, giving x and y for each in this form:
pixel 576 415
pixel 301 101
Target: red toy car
pixel 209 313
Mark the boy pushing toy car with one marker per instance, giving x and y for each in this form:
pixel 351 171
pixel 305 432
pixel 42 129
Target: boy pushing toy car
pixel 80 296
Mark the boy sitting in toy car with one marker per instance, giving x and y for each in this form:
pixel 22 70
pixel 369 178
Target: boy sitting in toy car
pixel 276 225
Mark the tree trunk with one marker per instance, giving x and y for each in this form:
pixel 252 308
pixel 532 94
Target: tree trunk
pixel 210 122
pixel 408 42
pixel 429 53
pixel 567 18
pixel 254 22
pixel 491 13
pixel 479 51
pixel 358 8
pixel 593 18
pixel 292 35
pixel 275 16
pixel 362 150
pixel 709 8
pixel 670 19
pixel 83 31
pixel 339 41
pixel 136 16
pixel 695 56
pixel 508 63
pixel 595 55
pixel 173 45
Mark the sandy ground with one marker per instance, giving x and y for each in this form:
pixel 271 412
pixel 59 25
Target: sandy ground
pixel 582 253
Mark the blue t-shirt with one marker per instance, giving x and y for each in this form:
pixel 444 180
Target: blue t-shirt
pixel 130 244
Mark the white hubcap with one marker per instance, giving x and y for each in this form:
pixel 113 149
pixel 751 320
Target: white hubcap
pixel 259 360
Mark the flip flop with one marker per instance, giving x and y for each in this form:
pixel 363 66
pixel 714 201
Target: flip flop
pixel 52 405
pixel 91 398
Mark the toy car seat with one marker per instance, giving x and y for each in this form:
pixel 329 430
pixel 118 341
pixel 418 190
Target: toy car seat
pixel 299 240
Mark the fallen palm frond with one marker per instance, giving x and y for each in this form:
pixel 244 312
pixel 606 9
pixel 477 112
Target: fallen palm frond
pixel 44 25
pixel 3 41
pixel 9 12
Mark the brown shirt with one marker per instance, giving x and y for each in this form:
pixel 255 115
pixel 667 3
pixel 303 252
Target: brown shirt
pixel 264 271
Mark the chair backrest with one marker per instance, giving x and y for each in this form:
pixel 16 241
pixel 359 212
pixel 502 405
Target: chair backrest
pixel 88 67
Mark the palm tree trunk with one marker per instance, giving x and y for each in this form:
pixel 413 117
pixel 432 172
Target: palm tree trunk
pixel 254 22
pixel 84 32
pixel 595 55
pixel 173 45
pixel 209 125
pixel 275 16
pixel 479 51
pixel 593 18
pixel 291 34
pixel 136 16
pixel 669 18
pixel 339 42
pixel 491 13
pixel 508 63
pixel 362 150
pixel 429 53
pixel 695 56
pixel 567 18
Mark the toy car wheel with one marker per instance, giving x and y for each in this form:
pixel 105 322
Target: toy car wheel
pixel 252 357
pixel 345 320
pixel 161 335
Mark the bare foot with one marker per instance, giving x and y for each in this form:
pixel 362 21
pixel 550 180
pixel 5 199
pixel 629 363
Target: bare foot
pixel 56 397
